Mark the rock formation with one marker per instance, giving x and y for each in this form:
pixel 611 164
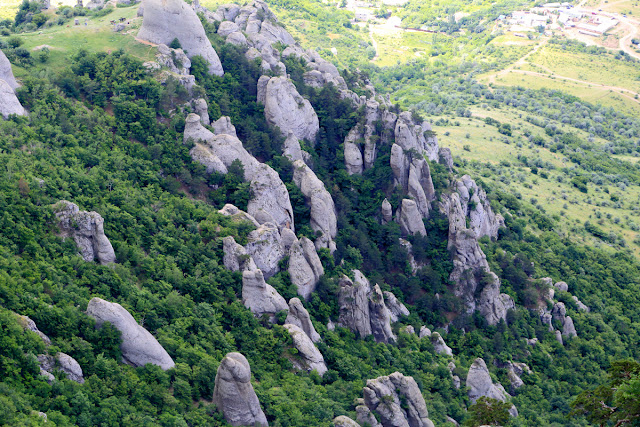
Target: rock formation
pixel 344 421
pixel 286 109
pixel 265 247
pixel 299 316
pixel 323 211
pixel 237 214
pixel 310 359
pixel 410 218
pixel 396 308
pixel 397 400
pixel 30 325
pixel 480 384
pixel 259 297
pixel 439 345
pixel 475 206
pixel 363 310
pixel 233 393
pixel 166 20
pixel 9 103
pixel 236 257
pixel 270 202
pixel 87 230
pixel 412 173
pixel 305 268
pixel 352 154
pixel 138 346
pixel 387 211
pixel 445 158
pixel 63 362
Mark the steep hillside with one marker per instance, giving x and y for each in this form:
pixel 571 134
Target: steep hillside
pixel 205 222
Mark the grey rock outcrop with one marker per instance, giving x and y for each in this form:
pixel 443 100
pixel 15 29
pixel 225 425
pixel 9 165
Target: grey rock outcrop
pixel 201 108
pixel 286 109
pixel 410 218
pixel 412 173
pixel 352 154
pixel 30 325
pixel 305 268
pixel 476 206
pixel 224 126
pixel 363 309
pixel 175 60
pixel 323 211
pixel 265 247
pixel 310 359
pixel 514 372
pixel 6 73
pixel 580 304
pixel 424 332
pixel 396 308
pixel 445 158
pixel 292 150
pixel 63 362
pixel 344 421
pixel 233 393
pixel 480 384
pixel 418 137
pixel 270 202
pixel 387 211
pixel 561 286
pixel 87 230
pixel 299 316
pixel 237 214
pixel 138 346
pixel 166 20
pixel 397 400
pixel 259 297
pixel 568 329
pixel 439 345
pixel 236 257
pixel 9 103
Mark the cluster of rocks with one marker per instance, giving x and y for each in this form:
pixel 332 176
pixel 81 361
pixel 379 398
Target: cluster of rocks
pixel 48 363
pixel 364 310
pixel 557 316
pixel 515 370
pixel 174 64
pixel 480 384
pixel 166 20
pixel 87 230
pixel 138 346
pixel 395 399
pixel 9 103
pixel 470 218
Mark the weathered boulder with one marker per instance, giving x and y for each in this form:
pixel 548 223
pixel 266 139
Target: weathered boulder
pixel 387 211
pixel 561 286
pixel 237 38
pixel 445 158
pixel 352 155
pixel 138 346
pixel 305 268
pixel 30 325
pixel 201 109
pixel 259 297
pixel 354 304
pixel 476 206
pixel 299 316
pixel 233 393
pixel 412 136
pixel 166 20
pixel 292 150
pixel 87 230
pixel 424 332
pixel 310 359
pixel 559 312
pixel 492 304
pixel 237 214
pixel 410 218
pixel 265 247
pixel 323 211
pixel 568 329
pixel 397 400
pixel 380 317
pixel 173 59
pixel 286 109
pixel 396 308
pixel 235 256
pixel 344 421
pixel 580 304
pixel 63 362
pixel 480 384
pixel 439 345
pixel 227 27
pixel 6 73
pixel 9 103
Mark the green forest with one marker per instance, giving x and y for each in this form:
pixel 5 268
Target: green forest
pixel 105 134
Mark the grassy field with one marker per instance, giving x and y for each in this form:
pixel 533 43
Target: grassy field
pixel 8 8
pixel 497 163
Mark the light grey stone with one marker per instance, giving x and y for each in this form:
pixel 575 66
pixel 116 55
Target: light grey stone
pixel 396 308
pixel 227 27
pixel 439 345
pixel 305 267
pixel 387 211
pixel 223 126
pixel 138 346
pixel 344 421
pixel 236 257
pixel 561 286
pixel 299 316
pixel 201 109
pixel 9 103
pixel 259 297
pixel 445 158
pixel 6 73
pixel 354 304
pixel 480 384
pixel 352 154
pixel 30 325
pixel 166 20
pixel 265 247
pixel 380 317
pixel 233 393
pixel 410 218
pixel 287 110
pixel 424 332
pixel 87 230
pixel 580 304
pixel 237 38
pixel 310 358
pixel 568 329
pixel 237 214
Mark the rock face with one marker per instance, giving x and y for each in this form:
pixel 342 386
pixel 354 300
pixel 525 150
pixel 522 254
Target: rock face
pixel 30 325
pixel 9 103
pixel 475 205
pixel 363 310
pixel 259 297
pixel 470 267
pixel 352 154
pixel 63 362
pixel 87 230
pixel 265 247
pixel 344 421
pixel 166 20
pixel 439 345
pixel 286 109
pixel 299 316
pixel 233 393
pixel 396 308
pixel 305 268
pixel 236 257
pixel 237 214
pixel 270 202
pixel 410 218
pixel 397 400
pixel 480 384
pixel 387 211
pixel 138 346
pixel 412 173
pixel 6 73
pixel 323 211
pixel 418 137
pixel 310 359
